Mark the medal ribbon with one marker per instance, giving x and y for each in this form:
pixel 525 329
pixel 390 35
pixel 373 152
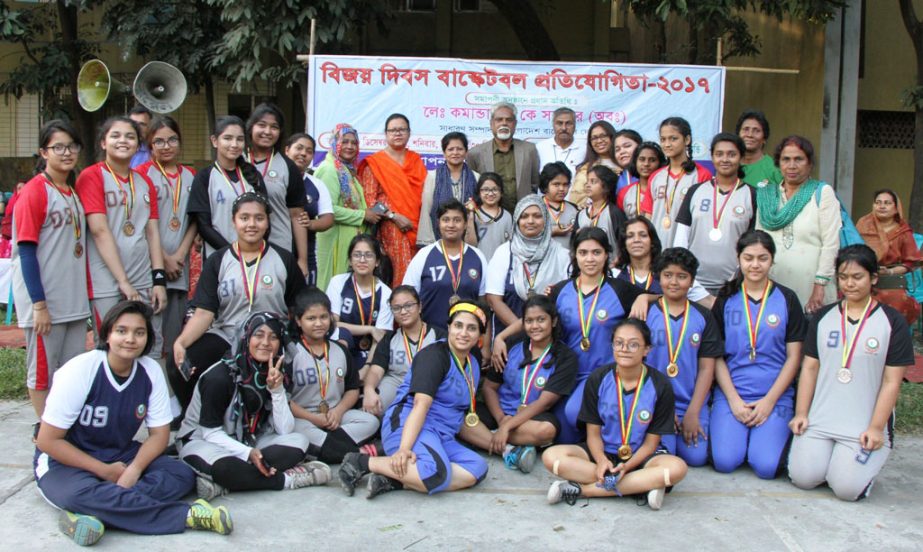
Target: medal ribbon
pixel 530 277
pixel 717 216
pixel 528 382
pixel 595 218
pixel 240 178
pixel 324 380
pixel 250 281
pixel 467 374
pixel 410 352
pixel 75 216
pixel 623 425
pixel 130 200
pixel 850 347
pixel 359 302
pixel 587 320
pixel 456 276
pixel 647 283
pixel 551 211
pixel 673 350
pixel 175 190
pixel 754 329
pixel 268 161
pixel 675 187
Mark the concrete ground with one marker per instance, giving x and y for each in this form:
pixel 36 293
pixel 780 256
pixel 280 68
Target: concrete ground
pixel 508 510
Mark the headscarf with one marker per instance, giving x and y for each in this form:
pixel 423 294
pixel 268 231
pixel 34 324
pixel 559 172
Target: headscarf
pixel 884 242
pixel 344 170
pixel 442 191
pixel 253 402
pixel 773 215
pixel 544 257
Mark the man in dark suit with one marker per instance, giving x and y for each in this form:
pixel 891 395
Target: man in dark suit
pixel 513 159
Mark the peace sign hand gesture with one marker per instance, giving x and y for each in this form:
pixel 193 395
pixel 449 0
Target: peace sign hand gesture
pixel 274 376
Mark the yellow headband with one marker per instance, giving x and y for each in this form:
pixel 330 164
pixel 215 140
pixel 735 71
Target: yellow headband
pixel 469 307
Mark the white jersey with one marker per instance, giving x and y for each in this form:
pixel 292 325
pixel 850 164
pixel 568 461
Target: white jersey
pixel 174 220
pixel 668 192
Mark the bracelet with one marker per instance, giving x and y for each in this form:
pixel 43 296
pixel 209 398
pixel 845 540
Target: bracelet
pixel 159 276
pixel 38 308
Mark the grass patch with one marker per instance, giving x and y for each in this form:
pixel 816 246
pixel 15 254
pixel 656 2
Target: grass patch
pixel 910 408
pixel 3 315
pixel 13 374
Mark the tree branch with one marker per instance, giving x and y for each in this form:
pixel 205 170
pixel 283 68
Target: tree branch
pixel 29 54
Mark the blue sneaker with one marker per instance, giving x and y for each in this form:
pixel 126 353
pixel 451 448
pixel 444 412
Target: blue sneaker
pixel 520 458
pixel 84 530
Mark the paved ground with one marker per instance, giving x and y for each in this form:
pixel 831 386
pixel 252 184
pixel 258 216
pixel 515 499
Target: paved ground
pixel 707 510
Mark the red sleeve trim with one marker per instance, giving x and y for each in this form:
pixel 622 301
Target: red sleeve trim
pixel 90 190
pixel 30 210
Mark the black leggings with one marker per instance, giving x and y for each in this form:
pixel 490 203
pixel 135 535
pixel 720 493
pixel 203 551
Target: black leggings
pixel 235 474
pixel 206 351
pixel 335 447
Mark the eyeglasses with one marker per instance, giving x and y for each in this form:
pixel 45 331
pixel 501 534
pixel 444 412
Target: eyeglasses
pixel 490 190
pixel 397 309
pixel 630 346
pixel 363 256
pixel 403 130
pixel 599 138
pixel 161 143
pixel 59 149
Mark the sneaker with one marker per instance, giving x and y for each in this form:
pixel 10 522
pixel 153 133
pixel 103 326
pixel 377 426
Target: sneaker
pixel 309 474
pixel 351 473
pixel 380 484
pixel 655 498
pixel 206 489
pixel 568 491
pixel 520 458
pixel 84 530
pixel 205 517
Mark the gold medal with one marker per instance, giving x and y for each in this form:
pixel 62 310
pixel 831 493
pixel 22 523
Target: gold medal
pixel 625 452
pixel 752 354
pixel 365 343
pixel 128 228
pixel 585 344
pixel 175 224
pixel 78 250
pixel 471 419
pixel 323 407
pixel 666 222
pixel 454 299
pixel 672 370
pixel 530 294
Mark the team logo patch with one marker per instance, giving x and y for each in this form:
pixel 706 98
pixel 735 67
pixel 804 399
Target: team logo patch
pixel 601 314
pixel 266 280
pixel 739 210
pixel 140 411
pixel 773 320
pixel 540 382
pixel 340 373
pixel 308 199
pixel 473 273
pixel 189 188
pixel 683 191
pixel 644 416
pixel 872 345
pixel 695 339
pixel 272 174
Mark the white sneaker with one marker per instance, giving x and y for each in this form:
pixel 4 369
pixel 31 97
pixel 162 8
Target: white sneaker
pixel 309 474
pixel 568 491
pixel 655 498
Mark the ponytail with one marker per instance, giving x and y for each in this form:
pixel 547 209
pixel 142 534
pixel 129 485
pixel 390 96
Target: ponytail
pixel 689 165
pixel 251 175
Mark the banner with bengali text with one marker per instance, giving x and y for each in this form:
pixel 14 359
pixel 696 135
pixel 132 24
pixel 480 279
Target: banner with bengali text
pixel 441 95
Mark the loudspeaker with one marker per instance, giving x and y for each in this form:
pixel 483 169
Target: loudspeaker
pixel 94 84
pixel 160 87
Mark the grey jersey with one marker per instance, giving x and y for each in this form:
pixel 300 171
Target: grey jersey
pixel 45 216
pixel 492 232
pixel 277 177
pixel 567 216
pixel 171 233
pixel 221 196
pixel 392 355
pixel 667 190
pixel 717 258
pixel 311 372
pixel 604 222
pixel 100 194
pixel 844 410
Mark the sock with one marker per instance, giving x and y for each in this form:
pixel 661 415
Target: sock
pixel 288 481
pixel 395 483
pixel 364 462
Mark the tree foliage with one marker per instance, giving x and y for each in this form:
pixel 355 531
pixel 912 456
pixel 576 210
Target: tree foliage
pixel 913 98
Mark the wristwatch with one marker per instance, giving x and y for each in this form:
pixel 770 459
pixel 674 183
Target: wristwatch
pixel 391 215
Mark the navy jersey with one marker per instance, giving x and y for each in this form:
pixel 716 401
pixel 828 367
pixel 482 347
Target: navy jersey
pixel 558 375
pixel 654 286
pixel 653 413
pixel 431 277
pixel 102 414
pixel 613 305
pixel 783 322
pixel 353 309
pixel 434 373
pixel 702 340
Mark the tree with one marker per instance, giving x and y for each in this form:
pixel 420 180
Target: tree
pixel 523 17
pixel 913 97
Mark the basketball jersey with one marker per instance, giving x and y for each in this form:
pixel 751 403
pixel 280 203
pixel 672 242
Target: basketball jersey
pixel 557 374
pixel 284 191
pixel 653 413
pixel 717 257
pixel 614 304
pixel 629 201
pixel 214 194
pixel 651 284
pixel 609 221
pixel 562 218
pixel 172 223
pixel 844 410
pixel 310 373
pixel 44 215
pixel 222 288
pixel 101 415
pixel 499 281
pixel 782 322
pixel 702 340
pixel 393 355
pixel 491 232
pixel 667 189
pixel 353 309
pixel 316 203
pixel 101 194
pixel 432 278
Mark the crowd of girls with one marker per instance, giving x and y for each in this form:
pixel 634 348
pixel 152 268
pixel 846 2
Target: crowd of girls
pixel 618 340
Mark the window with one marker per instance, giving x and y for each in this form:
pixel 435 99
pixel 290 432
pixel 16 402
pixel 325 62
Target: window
pixel 474 6
pixel 885 129
pixel 420 5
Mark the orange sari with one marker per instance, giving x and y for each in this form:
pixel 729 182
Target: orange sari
pixel 398 187
pixel 896 247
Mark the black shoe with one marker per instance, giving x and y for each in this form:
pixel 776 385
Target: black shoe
pixel 171 450
pixel 351 473
pixel 380 484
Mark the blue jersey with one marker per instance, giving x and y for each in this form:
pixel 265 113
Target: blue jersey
pixel 782 322
pixel 101 413
pixel 653 288
pixel 432 278
pixel 557 375
pixel 311 197
pixel 702 340
pixel 510 298
pixel 434 373
pixel 653 413
pixel 353 309
pixel 613 305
